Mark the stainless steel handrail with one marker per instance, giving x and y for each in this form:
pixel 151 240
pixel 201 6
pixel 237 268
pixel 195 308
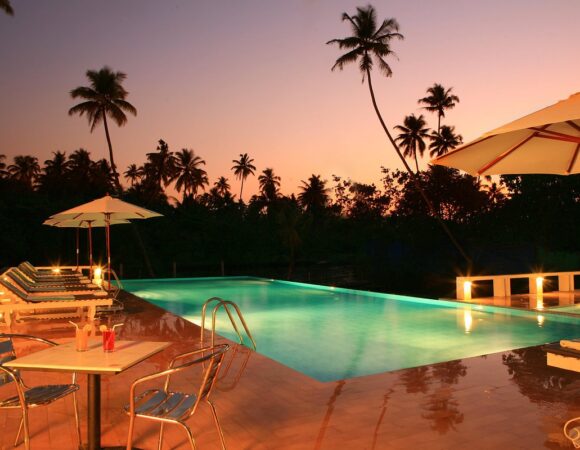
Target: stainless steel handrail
pixel 225 304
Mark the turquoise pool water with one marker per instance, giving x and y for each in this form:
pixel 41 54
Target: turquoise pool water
pixel 332 334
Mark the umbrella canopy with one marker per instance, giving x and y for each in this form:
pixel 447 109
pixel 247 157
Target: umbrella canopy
pixel 82 223
pixel 546 141
pixel 105 209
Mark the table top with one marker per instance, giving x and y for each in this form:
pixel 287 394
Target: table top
pixel 65 358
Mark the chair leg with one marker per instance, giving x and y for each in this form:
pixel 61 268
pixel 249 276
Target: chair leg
pixel 217 424
pixel 77 419
pixel 19 431
pixel 160 444
pixel 130 436
pixel 26 429
pixel 189 435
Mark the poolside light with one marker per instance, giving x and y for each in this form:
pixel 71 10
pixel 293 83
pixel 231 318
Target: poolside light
pixel 539 285
pixel 467 320
pixel 467 290
pixel 98 274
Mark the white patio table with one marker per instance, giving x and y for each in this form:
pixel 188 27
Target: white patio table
pixel 94 362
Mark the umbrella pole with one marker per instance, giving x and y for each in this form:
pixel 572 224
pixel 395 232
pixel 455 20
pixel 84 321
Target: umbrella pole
pixel 90 251
pixel 78 241
pixel 108 233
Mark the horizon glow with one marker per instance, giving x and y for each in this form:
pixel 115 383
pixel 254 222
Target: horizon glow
pixel 225 78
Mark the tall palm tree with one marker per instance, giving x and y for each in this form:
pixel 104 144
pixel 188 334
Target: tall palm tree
pixel 443 141
pixel 105 97
pixel 222 186
pixel 412 137
pixel 6 7
pixel 269 184
pixel 133 174
pixel 160 165
pixel 243 168
pixel 188 174
pixel 25 170
pixel 438 100
pixel 369 45
pixel 314 194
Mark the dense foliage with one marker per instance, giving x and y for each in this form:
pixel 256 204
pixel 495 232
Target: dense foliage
pixel 335 231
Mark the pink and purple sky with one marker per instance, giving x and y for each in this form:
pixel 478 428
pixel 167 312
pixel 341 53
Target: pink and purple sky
pixel 230 77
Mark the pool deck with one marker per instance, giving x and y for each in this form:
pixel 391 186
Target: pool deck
pixel 509 400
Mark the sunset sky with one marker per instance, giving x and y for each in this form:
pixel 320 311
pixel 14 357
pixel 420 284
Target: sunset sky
pixel 229 77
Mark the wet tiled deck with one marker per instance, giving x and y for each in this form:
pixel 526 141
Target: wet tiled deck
pixel 510 400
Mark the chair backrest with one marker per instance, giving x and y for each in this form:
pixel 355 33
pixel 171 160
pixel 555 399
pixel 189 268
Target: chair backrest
pixel 7 353
pixel 12 288
pixel 212 363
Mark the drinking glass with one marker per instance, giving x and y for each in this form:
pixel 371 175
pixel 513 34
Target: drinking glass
pixel 109 340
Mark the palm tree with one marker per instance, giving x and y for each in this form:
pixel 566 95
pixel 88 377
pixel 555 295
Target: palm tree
pixel 438 100
pixel 269 184
pixel 2 166
pixel 370 44
pixel 189 175
pixel 443 141
pixel 25 170
pixel 222 186
pixel 160 165
pixel 314 194
pixel 242 169
pixel 412 137
pixel 6 7
pixel 133 174
pixel 104 97
pixel 55 171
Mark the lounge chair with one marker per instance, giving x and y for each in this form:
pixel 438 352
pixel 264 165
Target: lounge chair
pixel 49 276
pixel 165 406
pixel 58 305
pixel 25 284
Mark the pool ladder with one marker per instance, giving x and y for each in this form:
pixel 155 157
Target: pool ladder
pixel 226 305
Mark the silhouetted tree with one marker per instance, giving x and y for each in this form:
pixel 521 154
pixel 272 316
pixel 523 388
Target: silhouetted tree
pixel 188 174
pixel 243 168
pixel 313 196
pixel 160 166
pixel 133 173
pixel 443 141
pixel 6 7
pixel 412 137
pixel 25 170
pixel 269 184
pixel 438 100
pixel 105 96
pixel 368 45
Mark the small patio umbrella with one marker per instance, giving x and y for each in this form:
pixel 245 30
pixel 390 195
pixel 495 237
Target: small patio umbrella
pixel 89 225
pixel 546 141
pixel 106 209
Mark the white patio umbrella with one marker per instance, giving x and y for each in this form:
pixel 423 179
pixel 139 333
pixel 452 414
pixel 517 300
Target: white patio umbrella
pixel 546 141
pixel 89 225
pixel 106 209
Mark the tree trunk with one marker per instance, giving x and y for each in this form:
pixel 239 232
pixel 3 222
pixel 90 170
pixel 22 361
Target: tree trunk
pixel 111 159
pixel 241 189
pixel 438 123
pixel 416 161
pixel 414 177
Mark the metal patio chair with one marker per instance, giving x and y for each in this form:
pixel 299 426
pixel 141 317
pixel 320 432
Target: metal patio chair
pixel 166 406
pixel 31 397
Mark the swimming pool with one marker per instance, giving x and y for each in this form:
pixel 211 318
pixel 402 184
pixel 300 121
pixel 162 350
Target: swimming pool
pixel 332 333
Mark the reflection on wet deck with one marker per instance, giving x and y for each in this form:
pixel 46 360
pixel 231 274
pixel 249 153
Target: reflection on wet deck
pixel 508 400
pixel 560 302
